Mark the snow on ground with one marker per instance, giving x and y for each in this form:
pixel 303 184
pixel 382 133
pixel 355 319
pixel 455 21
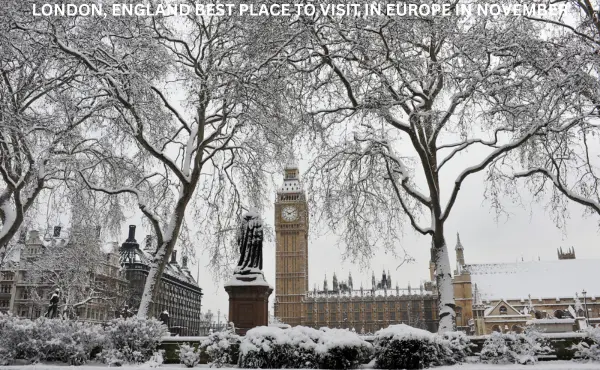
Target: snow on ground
pixel 548 365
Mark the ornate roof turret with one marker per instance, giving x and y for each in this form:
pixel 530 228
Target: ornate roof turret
pixel 373 282
pixel 325 288
pixel 458 243
pixel 350 280
pixel 389 280
pixel 335 283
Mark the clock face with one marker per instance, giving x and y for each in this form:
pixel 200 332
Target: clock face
pixel 289 213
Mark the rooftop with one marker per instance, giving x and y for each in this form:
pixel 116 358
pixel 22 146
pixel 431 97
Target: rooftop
pixel 540 279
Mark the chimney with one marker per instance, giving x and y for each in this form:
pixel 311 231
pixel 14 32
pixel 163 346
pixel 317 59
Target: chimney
pixel 131 237
pixel 130 243
pixel 174 256
pixel 56 233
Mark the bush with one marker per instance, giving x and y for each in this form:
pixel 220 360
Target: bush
pixel 48 340
pixel 514 348
pixel 342 349
pixel 219 347
pixel 264 347
pixel 188 355
pixel 132 340
pixel 457 347
pixel 302 348
pixel 404 347
pixel 586 351
pixel 301 343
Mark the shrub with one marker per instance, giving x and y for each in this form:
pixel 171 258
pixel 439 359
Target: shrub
pixel 264 347
pixel 132 340
pixel 514 348
pixel 48 340
pixel 188 355
pixel 404 347
pixel 457 347
pixel 587 351
pixel 342 349
pixel 219 347
pixel 302 348
pixel 301 343
pixel 156 359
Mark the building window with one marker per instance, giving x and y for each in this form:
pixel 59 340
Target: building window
pixel 392 316
pixel 503 310
pixel 496 328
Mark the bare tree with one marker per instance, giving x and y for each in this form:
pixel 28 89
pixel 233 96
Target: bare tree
pixel 43 118
pixel 76 265
pixel 567 160
pixel 395 100
pixel 199 117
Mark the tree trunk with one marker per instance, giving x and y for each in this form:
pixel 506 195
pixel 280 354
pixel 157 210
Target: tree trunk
pixel 443 277
pixel 151 288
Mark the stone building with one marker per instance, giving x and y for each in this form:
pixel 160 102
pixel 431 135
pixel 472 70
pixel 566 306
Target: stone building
pixel 560 295
pixel 179 293
pixel 342 305
pixel 25 295
pixel 291 248
pixel 368 310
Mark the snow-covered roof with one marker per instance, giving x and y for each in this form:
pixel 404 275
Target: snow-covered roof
pixel 131 253
pixel 540 279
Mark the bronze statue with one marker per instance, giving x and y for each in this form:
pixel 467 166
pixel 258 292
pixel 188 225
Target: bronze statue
pixel 250 242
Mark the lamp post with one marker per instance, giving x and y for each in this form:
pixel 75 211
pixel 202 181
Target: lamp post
pixel 585 306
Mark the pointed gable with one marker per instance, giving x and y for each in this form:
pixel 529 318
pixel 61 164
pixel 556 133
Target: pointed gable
pixel 503 308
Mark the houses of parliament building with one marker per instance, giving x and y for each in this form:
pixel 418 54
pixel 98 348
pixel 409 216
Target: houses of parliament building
pixel 341 305
pixel 556 295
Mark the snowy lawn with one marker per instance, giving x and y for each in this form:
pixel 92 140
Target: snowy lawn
pixel 544 365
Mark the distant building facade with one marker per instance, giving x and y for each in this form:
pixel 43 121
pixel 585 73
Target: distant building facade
pixel 368 310
pixel 17 287
pixel 555 296
pixel 179 293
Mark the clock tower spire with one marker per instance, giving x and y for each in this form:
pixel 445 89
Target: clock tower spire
pixel 291 249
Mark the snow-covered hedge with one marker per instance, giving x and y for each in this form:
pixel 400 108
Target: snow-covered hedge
pixel 220 346
pixel 404 347
pixel 302 347
pixel 589 352
pixel 342 349
pixel 48 340
pixel 514 348
pixel 132 340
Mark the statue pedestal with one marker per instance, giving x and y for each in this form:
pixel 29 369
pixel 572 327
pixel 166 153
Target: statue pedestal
pixel 248 302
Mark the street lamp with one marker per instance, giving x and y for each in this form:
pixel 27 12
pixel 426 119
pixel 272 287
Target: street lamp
pixel 585 306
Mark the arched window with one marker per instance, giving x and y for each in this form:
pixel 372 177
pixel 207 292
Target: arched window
pixel 580 313
pixel 539 315
pixel 516 329
pixel 503 310
pixel 496 328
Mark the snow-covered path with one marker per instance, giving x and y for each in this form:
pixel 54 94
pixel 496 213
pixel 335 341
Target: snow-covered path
pixel 549 365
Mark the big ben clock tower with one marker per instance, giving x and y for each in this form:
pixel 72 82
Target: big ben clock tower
pixel 291 249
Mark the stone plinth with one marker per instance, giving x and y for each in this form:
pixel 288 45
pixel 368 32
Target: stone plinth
pixel 248 302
